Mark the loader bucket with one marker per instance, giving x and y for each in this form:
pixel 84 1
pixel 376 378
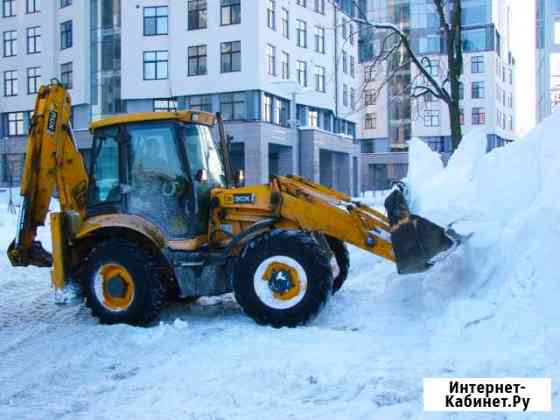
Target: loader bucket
pixel 416 241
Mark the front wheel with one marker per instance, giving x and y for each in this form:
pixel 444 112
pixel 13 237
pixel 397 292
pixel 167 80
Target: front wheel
pixel 123 284
pixel 283 279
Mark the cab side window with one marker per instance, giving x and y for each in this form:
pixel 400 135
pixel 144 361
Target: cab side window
pixel 105 171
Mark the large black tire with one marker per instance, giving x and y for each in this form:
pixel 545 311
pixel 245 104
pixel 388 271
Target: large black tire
pixel 342 256
pixel 288 246
pixel 150 293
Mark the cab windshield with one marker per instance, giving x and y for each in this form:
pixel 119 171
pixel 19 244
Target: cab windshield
pixel 203 154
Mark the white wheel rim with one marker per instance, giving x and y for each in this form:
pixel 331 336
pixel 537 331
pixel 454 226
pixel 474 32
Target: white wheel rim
pixel 98 282
pixel 264 292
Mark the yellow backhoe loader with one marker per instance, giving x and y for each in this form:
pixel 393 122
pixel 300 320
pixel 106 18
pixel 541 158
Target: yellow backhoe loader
pixel 158 216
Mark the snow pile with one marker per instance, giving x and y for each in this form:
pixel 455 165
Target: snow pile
pixel 504 317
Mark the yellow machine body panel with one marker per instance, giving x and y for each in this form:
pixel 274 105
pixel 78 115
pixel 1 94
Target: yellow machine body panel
pixel 127 221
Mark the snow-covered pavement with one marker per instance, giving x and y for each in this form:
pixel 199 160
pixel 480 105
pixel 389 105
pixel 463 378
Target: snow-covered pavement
pixel 489 310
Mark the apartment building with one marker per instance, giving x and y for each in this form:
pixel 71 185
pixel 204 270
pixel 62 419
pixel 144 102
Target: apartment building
pixel 548 56
pixel 391 117
pixel 283 73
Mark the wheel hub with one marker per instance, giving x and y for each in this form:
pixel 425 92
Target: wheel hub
pixel 280 281
pixel 283 280
pixel 116 287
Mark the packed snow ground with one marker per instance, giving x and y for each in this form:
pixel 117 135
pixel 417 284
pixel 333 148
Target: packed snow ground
pixel 489 310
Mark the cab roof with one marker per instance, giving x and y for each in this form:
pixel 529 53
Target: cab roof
pixel 198 117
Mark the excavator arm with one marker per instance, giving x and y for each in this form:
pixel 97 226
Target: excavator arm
pixel 52 160
pixel 296 203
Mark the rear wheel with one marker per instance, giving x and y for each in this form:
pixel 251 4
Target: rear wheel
pixel 122 283
pixel 342 257
pixel 283 279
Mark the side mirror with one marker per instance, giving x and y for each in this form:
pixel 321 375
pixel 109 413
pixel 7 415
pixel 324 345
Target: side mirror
pixel 201 175
pixel 239 177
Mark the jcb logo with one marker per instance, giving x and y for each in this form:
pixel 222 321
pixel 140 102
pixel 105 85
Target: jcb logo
pixel 51 122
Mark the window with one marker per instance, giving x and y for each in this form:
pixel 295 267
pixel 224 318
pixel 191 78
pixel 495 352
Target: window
pixel 271 15
pixel 431 118
pixel 478 116
pixel 32 6
pixel 165 105
pixel 10 43
pixel 197 14
pixel 319 79
pixel 232 106
pixel 66 35
pixel 302 73
pixel 281 112
pixel 66 75
pixel 344 29
pixel 320 39
pixel 197 60
pixel 369 97
pixel 510 73
pixel 352 66
pixel 353 99
pixel 510 100
pixel 285 23
pixel 510 119
pixel 351 34
pixel 345 95
pixel 33 80
pixel 15 124
pixel 231 12
pixel 65 3
pixel 369 73
pixel 201 103
pixel 156 65
pixel 231 56
pixel 475 40
pixel 34 40
pixel 344 62
pixel 301 31
pixel 433 68
pixel 155 21
pixel 461 90
pixel 320 6
pixel 370 120
pixel 8 8
pixel 267 108
pixel 271 60
pixel 10 83
pixel 462 116
pixel 285 65
pixel 477 90
pixel 477 64
pixel 302 3
pixel 313 119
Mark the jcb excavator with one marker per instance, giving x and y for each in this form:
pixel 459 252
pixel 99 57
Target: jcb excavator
pixel 158 217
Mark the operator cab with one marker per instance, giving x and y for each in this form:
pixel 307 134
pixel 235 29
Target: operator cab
pixel 159 166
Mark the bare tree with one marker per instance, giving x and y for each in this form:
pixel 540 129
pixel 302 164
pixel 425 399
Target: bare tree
pixel 395 55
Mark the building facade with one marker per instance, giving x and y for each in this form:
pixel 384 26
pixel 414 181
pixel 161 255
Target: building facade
pixel 548 56
pixel 391 117
pixel 283 73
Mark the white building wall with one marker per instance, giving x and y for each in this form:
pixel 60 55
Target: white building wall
pixel 51 56
pixel 254 36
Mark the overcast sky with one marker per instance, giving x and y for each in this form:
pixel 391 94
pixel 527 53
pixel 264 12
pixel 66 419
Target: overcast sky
pixel 523 48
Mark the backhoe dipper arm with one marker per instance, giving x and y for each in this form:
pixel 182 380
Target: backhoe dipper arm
pixel 52 159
